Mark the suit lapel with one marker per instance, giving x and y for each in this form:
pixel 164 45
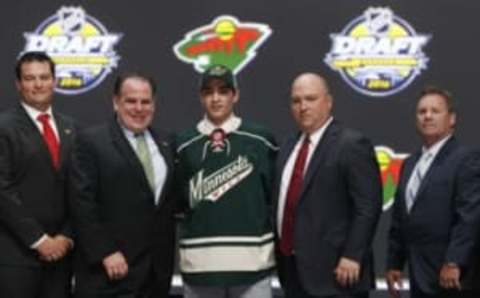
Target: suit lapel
pixel 436 164
pixel 64 133
pixel 318 157
pixel 166 153
pixel 407 170
pixel 33 134
pixel 283 155
pixel 287 151
pixel 121 143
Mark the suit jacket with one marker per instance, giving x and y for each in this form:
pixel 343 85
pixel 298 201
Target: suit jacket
pixel 338 209
pixel 114 210
pixel 33 194
pixel 441 226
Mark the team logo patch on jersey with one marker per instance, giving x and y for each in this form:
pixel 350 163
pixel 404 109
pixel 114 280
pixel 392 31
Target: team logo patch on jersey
pixel 82 48
pixel 225 41
pixel 217 140
pixel 390 164
pixel 214 186
pixel 378 53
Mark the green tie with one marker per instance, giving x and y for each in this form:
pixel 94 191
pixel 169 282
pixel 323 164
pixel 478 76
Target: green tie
pixel 144 156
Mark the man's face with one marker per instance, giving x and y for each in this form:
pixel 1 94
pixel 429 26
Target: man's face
pixel 36 84
pixel 310 104
pixel 218 101
pixel 135 105
pixel 434 120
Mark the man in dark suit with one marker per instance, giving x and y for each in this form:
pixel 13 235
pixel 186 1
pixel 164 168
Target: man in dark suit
pixel 122 208
pixel 436 208
pixel 35 237
pixel 328 200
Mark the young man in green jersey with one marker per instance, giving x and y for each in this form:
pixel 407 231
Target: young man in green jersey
pixel 225 169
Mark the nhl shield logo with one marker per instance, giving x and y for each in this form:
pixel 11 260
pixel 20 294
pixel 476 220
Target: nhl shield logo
pixel 72 19
pixel 378 21
pixel 225 41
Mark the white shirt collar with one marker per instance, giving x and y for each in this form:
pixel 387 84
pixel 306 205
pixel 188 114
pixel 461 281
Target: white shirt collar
pixel 435 148
pixel 128 133
pixel 131 135
pixel 317 135
pixel 34 113
pixel 206 126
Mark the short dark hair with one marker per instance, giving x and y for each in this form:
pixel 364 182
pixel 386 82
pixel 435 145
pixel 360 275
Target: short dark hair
pixel 445 94
pixel 117 86
pixel 28 57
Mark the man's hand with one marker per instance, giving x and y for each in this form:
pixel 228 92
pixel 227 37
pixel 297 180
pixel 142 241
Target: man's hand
pixel 54 248
pixel 450 276
pixel 116 266
pixel 347 272
pixel 394 282
pixel 64 242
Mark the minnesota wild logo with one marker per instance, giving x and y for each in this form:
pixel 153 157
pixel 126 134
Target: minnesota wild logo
pixel 225 41
pixel 390 164
pixel 213 186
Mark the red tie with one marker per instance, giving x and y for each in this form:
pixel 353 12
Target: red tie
pixel 296 181
pixel 50 139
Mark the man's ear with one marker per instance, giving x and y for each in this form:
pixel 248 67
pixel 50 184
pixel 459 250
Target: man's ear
pixel 115 100
pixel 453 120
pixel 237 95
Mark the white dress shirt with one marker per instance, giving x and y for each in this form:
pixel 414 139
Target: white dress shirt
pixel 289 165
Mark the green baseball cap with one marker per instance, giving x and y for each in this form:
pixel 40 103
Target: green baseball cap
pixel 220 72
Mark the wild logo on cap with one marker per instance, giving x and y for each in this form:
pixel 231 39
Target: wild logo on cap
pixel 390 164
pixel 225 41
pixel 81 47
pixel 378 53
pixel 218 72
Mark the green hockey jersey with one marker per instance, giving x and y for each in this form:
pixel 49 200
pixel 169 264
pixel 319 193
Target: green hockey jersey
pixel 224 177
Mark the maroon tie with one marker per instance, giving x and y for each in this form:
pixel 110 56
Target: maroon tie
pixel 50 139
pixel 294 188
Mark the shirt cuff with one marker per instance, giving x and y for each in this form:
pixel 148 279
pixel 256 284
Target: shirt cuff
pixel 72 243
pixel 39 241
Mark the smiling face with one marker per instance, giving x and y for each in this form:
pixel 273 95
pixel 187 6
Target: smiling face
pixel 311 104
pixel 135 104
pixel 434 119
pixel 36 84
pixel 218 101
